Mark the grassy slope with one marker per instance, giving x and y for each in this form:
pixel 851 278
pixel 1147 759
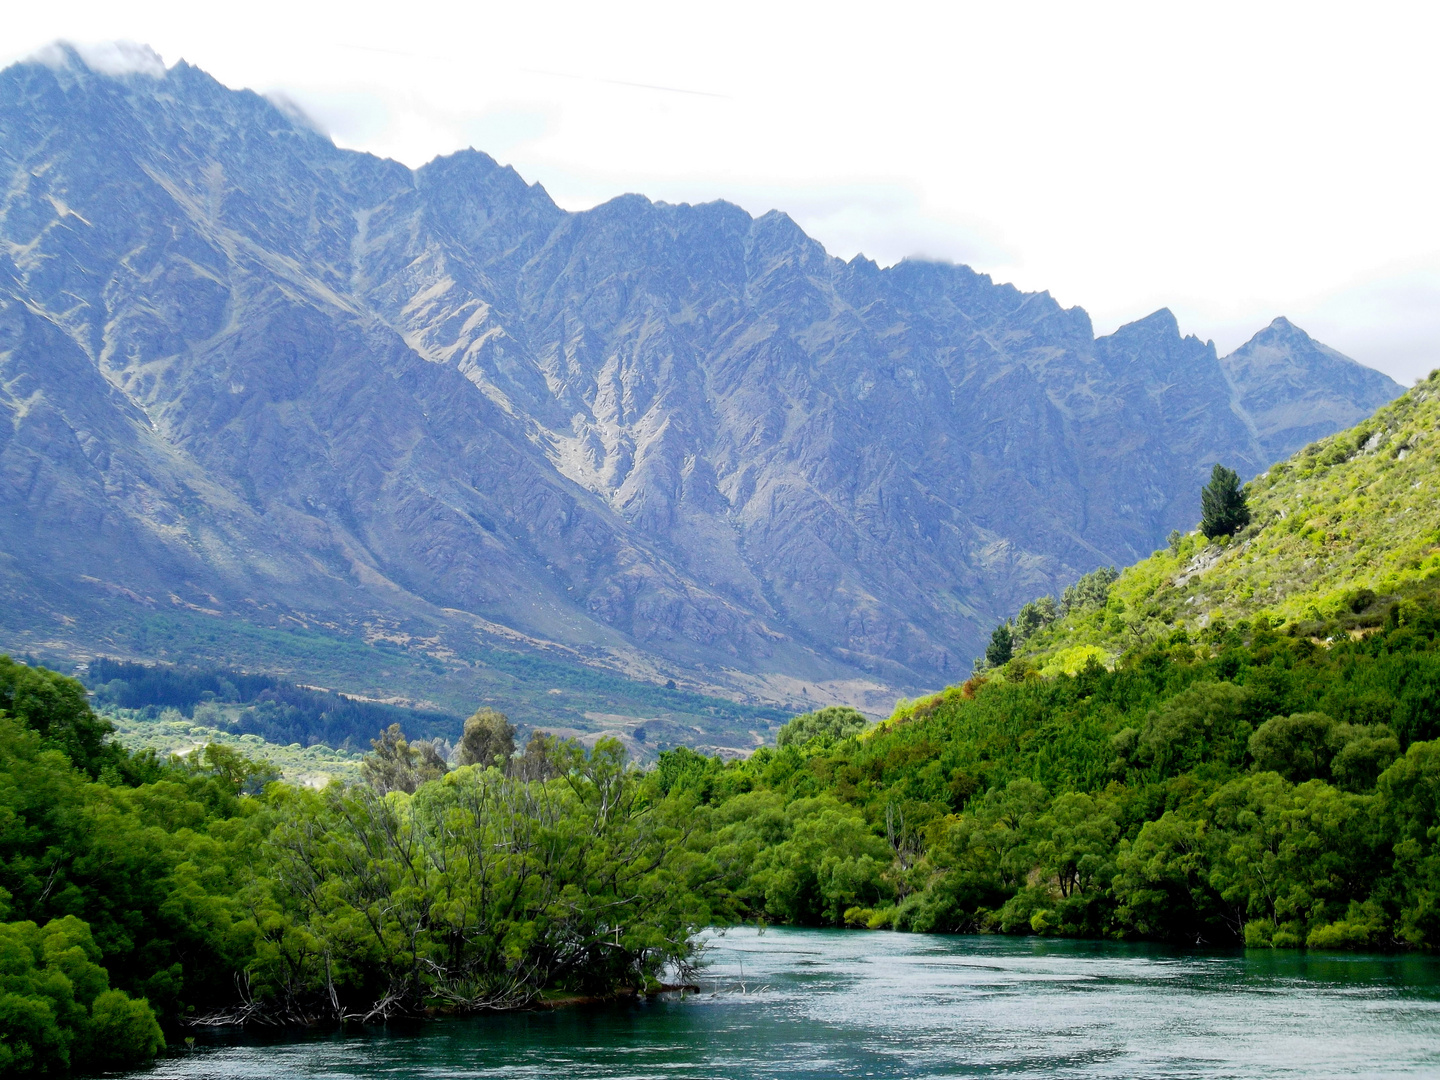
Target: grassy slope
pixel 1357 511
pixel 173 733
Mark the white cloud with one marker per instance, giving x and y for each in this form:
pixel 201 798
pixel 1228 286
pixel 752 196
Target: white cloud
pixel 122 58
pixel 105 57
pixel 295 111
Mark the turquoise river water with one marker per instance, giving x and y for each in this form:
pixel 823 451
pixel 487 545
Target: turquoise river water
pixel 813 1003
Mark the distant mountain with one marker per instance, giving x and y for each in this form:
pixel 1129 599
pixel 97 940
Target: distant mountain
pixel 1296 390
pixel 258 384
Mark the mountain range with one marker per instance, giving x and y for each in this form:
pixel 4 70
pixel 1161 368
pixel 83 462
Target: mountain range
pixel 259 385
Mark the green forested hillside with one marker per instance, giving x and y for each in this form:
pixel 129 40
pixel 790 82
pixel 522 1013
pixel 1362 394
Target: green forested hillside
pixel 1252 788
pixel 1231 742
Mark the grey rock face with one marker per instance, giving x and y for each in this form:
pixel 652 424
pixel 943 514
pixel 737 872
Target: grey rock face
pixel 249 372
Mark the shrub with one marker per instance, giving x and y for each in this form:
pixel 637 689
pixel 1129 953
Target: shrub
pixel 57 1011
pixel 834 722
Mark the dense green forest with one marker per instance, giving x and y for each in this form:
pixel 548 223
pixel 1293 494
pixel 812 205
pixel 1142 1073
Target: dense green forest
pixel 1249 787
pixel 145 893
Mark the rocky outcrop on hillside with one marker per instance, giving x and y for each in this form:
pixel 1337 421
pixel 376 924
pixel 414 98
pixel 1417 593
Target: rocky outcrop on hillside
pixel 248 372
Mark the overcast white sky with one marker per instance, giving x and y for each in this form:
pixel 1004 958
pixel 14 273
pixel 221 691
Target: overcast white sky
pixel 1233 162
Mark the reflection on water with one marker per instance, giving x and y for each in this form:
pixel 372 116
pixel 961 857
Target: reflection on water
pixel 811 1003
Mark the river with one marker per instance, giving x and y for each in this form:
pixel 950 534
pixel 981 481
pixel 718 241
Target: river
pixel 814 1003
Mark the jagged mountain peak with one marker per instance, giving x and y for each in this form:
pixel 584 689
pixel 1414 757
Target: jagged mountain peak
pixel 1300 389
pixel 1158 324
pixel 1155 343
pixel 1281 330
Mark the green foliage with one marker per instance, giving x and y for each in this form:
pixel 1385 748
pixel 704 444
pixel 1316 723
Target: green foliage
pixel 56 709
pixel 396 764
pixel 1312 746
pixel 156 869
pixel 205 890
pixel 684 770
pixel 1342 539
pixel 1254 788
pixel 1001 647
pixel 488 739
pixel 480 891
pixel 1034 617
pixel 1090 592
pixel 831 723
pixel 57 1011
pixel 1223 509
pixel 1208 722
pixel 828 862
pixel 123 1031
pixel 234 770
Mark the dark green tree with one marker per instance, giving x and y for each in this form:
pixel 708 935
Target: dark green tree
pixel 1223 511
pixel 1091 591
pixel 1001 647
pixel 1296 746
pixel 1032 618
pixel 55 708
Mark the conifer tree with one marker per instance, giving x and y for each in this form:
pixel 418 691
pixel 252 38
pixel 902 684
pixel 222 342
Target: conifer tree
pixel 1223 511
pixel 1001 647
